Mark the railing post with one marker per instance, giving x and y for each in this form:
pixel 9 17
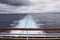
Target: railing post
pixel 27 34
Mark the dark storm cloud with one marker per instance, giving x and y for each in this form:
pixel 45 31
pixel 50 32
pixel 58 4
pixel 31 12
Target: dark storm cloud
pixel 15 2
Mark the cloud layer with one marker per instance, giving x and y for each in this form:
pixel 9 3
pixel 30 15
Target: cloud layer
pixel 14 2
pixel 35 7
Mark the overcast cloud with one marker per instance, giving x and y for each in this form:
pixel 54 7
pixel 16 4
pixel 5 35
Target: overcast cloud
pixel 31 6
pixel 14 2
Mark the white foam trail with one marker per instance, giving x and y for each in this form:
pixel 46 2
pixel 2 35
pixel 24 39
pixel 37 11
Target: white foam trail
pixel 27 22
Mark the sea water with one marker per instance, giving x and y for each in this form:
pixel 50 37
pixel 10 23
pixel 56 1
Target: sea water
pixel 27 22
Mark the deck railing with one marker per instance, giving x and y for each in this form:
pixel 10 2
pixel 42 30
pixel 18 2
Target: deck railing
pixel 29 28
pixel 47 36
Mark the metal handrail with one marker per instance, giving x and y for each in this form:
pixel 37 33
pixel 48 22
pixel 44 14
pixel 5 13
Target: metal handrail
pixel 30 29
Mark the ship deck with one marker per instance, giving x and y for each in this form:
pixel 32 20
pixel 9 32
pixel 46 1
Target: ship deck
pixel 30 36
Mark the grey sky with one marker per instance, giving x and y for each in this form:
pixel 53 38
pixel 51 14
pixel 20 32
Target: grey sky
pixel 33 6
pixel 14 2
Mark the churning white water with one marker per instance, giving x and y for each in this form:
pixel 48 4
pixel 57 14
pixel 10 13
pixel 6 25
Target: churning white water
pixel 27 22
